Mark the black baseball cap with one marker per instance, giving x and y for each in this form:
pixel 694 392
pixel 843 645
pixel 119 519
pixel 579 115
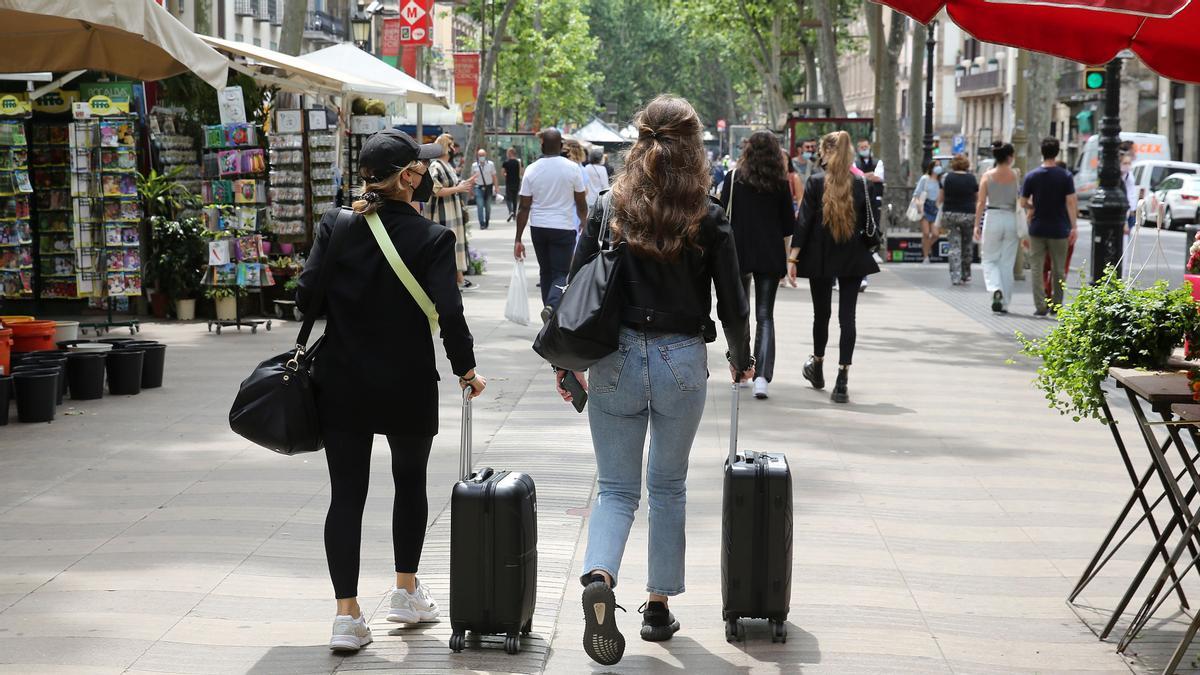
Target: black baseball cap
pixel 388 151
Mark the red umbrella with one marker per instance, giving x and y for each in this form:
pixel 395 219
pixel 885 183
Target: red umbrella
pixel 1162 32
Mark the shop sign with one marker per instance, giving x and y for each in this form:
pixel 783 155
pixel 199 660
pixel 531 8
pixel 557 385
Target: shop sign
pixel 118 92
pixel 466 83
pixel 99 106
pixel 55 101
pixel 390 45
pixel 365 125
pixel 14 105
pixel 289 121
pixel 416 23
pixel 232 105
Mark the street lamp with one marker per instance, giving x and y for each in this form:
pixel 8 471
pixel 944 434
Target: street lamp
pixel 361 26
pixel 927 143
pixel 1109 205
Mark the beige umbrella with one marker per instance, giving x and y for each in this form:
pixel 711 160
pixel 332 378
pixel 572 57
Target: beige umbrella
pixel 134 38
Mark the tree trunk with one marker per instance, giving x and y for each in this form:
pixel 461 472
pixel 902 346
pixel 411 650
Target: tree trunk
pixel 887 123
pixel 534 112
pixel 916 103
pixel 482 106
pixel 827 44
pixel 292 31
pixel 1039 104
pixel 811 85
pixel 203 17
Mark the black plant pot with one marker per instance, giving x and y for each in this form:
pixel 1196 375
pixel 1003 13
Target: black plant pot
pixel 116 342
pixel 56 360
pixel 153 364
pixel 6 394
pixel 85 375
pixel 37 391
pixel 124 367
pixel 59 369
pixel 67 344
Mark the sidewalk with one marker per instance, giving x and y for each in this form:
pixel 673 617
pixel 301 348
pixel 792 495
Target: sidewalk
pixel 940 518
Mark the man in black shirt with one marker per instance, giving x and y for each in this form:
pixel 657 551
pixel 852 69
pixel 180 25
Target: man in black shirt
pixel 511 168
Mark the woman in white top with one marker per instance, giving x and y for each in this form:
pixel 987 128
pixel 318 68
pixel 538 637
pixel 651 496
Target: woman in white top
pixel 927 191
pixel 996 209
pixel 595 176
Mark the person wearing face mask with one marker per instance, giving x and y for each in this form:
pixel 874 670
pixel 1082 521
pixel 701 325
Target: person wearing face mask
pixel 872 170
pixel 805 161
pixel 928 189
pixel 376 372
pixel 1131 196
pixel 447 207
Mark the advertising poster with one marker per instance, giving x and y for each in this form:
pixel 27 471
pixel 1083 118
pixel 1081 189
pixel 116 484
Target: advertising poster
pixel 466 83
pixel 389 48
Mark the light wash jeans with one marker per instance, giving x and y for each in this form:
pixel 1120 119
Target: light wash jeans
pixel 483 205
pixel 998 251
pixel 656 382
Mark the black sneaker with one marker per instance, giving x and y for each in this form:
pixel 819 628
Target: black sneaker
pixel 602 640
pixel 658 623
pixel 840 393
pixel 812 372
pixel 998 302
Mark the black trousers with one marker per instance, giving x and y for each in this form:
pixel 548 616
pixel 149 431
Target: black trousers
pixel 511 196
pixel 766 286
pixel 822 297
pixel 349 456
pixel 554 249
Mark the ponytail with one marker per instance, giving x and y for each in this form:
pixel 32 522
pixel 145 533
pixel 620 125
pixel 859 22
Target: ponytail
pixel 837 203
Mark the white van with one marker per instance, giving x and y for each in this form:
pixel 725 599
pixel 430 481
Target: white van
pixel 1145 147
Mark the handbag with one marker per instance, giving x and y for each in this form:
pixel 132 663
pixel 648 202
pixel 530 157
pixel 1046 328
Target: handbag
pixel 586 326
pixel 916 205
pixel 872 234
pixel 276 406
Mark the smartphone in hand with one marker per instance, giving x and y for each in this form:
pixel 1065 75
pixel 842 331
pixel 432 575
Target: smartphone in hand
pixel 578 395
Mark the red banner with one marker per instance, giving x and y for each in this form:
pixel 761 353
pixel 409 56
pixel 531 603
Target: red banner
pixel 416 23
pixel 466 82
pixel 408 62
pixel 389 45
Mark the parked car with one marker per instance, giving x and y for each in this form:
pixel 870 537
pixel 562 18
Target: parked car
pixel 1176 198
pixel 1145 147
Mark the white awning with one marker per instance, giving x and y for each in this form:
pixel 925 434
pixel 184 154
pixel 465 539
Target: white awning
pixel 349 58
pixel 597 131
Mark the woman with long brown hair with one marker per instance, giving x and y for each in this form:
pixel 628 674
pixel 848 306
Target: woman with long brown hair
pixel 677 245
pixel 758 203
pixel 828 246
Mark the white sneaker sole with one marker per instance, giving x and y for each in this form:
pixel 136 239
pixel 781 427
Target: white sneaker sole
pixel 412 616
pixel 348 643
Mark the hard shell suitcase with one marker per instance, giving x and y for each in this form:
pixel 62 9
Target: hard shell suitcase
pixel 756 538
pixel 493 550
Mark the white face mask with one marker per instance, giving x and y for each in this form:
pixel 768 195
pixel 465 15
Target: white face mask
pixel 937 170
pixel 864 153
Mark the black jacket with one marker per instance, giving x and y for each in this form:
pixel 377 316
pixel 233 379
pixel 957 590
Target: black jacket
pixel 677 296
pixel 376 369
pixel 820 255
pixel 760 221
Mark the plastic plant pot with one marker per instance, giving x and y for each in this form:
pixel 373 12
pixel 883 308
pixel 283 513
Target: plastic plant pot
pixel 6 394
pixel 37 390
pixel 124 369
pixel 55 360
pixel 85 375
pixel 153 364
pixel 116 342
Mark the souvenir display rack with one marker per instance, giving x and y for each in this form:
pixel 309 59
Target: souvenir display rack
pixel 16 233
pixel 322 174
pixel 174 149
pixel 234 191
pixel 288 208
pixel 54 231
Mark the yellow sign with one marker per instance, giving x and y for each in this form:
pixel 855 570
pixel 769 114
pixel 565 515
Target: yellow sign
pixel 13 105
pixel 103 105
pixel 56 101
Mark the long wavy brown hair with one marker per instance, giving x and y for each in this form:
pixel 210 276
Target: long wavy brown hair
pixel 837 204
pixel 761 165
pixel 661 195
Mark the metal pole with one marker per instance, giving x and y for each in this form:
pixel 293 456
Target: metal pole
pixel 927 143
pixel 1109 204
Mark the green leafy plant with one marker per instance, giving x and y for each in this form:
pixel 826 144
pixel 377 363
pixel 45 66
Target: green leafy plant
pixel 1109 323
pixel 177 256
pixel 163 194
pixel 219 292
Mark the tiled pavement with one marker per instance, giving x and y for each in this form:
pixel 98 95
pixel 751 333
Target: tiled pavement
pixel 940 518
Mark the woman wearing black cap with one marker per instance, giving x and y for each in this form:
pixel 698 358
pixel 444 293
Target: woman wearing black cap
pixel 376 372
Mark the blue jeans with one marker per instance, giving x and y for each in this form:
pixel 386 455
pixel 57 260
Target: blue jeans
pixel 656 382
pixel 483 205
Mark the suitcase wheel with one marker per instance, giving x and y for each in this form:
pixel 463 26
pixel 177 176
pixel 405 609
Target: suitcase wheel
pixel 734 630
pixel 457 641
pixel 528 628
pixel 778 631
pixel 512 643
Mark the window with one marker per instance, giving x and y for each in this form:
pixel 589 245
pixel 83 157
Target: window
pixel 239 37
pixel 274 46
pixel 257 42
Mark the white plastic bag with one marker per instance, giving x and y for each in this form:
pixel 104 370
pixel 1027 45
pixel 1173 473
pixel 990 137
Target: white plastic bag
pixel 517 308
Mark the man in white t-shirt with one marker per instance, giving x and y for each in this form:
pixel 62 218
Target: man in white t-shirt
pixel 553 204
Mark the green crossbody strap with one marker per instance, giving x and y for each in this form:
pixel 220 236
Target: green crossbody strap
pixel 406 277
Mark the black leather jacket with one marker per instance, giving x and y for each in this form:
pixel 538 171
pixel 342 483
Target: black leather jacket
pixel 676 297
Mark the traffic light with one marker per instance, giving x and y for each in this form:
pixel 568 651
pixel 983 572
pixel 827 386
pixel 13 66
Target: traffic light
pixel 1094 78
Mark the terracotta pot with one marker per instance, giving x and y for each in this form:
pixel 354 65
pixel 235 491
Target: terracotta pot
pixel 158 304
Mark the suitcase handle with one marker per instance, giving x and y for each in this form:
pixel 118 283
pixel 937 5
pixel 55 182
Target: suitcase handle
pixel 735 395
pixel 464 448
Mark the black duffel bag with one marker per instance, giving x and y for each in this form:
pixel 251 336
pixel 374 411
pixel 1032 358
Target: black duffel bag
pixel 276 406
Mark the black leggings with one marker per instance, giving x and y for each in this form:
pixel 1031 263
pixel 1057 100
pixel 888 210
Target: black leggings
pixel 822 297
pixel 349 457
pixel 765 288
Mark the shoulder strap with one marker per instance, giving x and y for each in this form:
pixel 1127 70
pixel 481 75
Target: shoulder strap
pixel 340 224
pixel 401 270
pixel 872 226
pixel 605 233
pixel 732 184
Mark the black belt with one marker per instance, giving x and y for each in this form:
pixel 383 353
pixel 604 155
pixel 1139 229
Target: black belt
pixel 663 322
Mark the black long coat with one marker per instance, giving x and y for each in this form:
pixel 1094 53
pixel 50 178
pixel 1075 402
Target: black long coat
pixel 760 222
pixel 822 256
pixel 376 370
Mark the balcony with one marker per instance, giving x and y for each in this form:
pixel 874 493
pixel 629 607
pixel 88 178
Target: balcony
pixel 264 10
pixel 987 83
pixel 324 27
pixel 245 7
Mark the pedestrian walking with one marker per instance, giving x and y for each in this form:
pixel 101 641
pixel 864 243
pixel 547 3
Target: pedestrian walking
pixel 959 192
pixel 1131 197
pixel 1048 196
pixel 677 245
pixel 446 208
pixel 553 202
pixel 376 372
pixel 511 168
pixel 795 183
pixel 828 246
pixel 805 161
pixel 716 172
pixel 929 192
pixel 594 176
pixel 873 171
pixel 758 203
pixel 484 173
pixel 996 225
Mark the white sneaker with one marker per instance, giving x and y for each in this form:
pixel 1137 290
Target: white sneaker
pixel 417 607
pixel 349 634
pixel 760 387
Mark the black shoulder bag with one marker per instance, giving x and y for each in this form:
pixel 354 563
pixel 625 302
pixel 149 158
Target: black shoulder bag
pixel 586 327
pixel 276 406
pixel 872 234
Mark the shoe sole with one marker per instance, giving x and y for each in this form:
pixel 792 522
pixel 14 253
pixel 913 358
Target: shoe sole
pixel 660 633
pixel 409 616
pixel 602 640
pixel 348 643
pixel 760 396
pixel 839 398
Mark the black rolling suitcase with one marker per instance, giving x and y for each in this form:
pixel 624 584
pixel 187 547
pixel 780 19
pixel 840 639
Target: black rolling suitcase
pixel 493 551
pixel 756 538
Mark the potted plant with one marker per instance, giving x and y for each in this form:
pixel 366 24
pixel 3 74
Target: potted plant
pixel 165 198
pixel 225 298
pixel 176 262
pixel 1109 323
